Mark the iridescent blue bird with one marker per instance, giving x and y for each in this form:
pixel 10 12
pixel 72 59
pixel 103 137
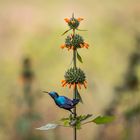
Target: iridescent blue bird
pixel 62 101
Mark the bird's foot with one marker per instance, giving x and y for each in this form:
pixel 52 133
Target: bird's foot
pixel 73 113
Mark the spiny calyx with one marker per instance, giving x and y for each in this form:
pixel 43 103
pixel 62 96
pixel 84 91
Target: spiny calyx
pixel 74 76
pixel 74 42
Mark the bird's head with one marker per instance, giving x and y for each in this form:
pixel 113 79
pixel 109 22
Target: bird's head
pixel 53 94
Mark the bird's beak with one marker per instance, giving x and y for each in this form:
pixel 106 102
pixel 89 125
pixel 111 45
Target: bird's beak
pixel 45 92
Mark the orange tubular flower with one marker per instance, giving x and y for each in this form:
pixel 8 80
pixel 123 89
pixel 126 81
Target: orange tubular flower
pixel 86 45
pixel 67 20
pixel 63 81
pixel 85 81
pixel 85 85
pixel 72 47
pixel 70 85
pixel 80 19
pixel 63 46
pixel 64 84
pixel 81 45
pixel 74 85
pixel 79 85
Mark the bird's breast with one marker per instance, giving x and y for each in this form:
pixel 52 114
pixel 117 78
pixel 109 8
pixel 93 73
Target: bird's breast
pixel 60 101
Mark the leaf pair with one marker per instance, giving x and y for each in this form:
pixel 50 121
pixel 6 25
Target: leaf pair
pixel 70 29
pixel 70 121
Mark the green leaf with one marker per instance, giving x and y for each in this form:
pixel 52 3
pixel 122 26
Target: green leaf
pixel 84 117
pixel 66 31
pixel 66 123
pixel 81 30
pixel 48 126
pixel 78 125
pixel 64 119
pixel 79 57
pixel 103 119
pixel 79 96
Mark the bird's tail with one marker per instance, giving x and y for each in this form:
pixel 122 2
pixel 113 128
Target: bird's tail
pixel 75 101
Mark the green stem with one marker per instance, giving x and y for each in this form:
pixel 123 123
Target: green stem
pixel 74 91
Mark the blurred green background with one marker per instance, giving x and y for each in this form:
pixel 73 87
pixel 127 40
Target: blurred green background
pixel 32 29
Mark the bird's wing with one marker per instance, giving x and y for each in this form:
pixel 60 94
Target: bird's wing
pixel 65 100
pixel 75 101
pixel 66 106
pixel 67 103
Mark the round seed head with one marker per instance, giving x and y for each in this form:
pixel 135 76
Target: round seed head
pixel 75 75
pixel 76 41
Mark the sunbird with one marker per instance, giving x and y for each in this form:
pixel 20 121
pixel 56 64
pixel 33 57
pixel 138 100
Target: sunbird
pixel 63 101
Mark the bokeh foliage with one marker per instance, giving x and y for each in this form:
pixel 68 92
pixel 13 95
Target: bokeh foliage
pixel 33 28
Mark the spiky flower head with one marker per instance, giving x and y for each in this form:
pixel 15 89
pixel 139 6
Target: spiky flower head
pixel 74 76
pixel 74 42
pixel 73 22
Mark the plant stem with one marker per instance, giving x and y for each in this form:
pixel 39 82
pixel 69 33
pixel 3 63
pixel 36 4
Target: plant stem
pixel 86 122
pixel 74 91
